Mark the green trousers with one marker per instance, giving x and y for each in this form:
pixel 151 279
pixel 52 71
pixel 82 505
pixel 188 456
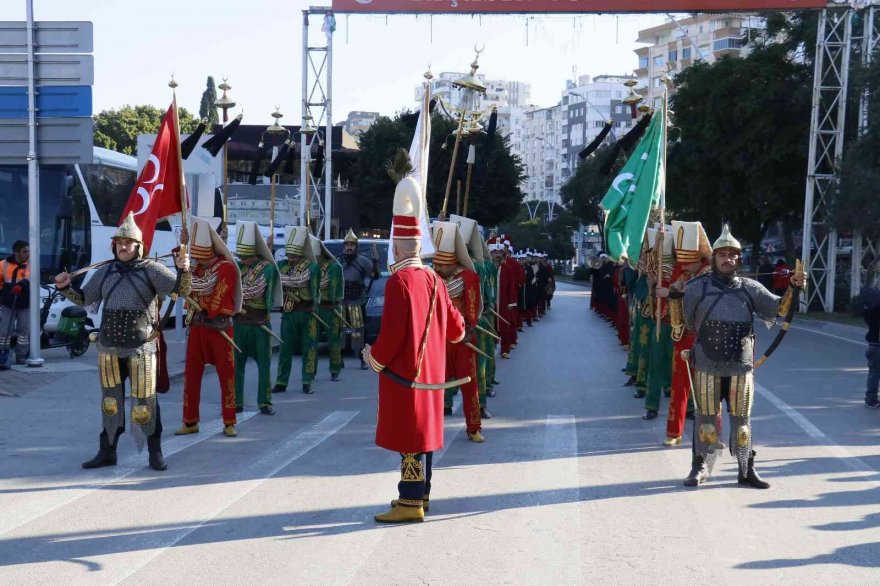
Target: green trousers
pixel 645 329
pixel 298 328
pixel 254 343
pixel 632 362
pixel 486 343
pixel 334 338
pixel 660 366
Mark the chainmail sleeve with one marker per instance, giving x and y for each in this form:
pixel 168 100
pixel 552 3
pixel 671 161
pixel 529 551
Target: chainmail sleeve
pixel 693 294
pixel 766 303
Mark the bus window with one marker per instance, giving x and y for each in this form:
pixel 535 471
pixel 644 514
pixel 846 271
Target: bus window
pixel 110 188
pixel 64 216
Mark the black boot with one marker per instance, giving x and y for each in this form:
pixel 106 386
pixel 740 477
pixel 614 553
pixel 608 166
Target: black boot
pixel 750 476
pixel 279 389
pixel 699 472
pixel 157 460
pixel 106 454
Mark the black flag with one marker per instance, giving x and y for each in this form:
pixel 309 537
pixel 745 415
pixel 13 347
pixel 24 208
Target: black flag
pixel 216 142
pixel 187 146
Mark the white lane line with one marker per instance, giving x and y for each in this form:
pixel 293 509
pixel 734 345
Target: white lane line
pixel 563 498
pixel 852 461
pixel 89 481
pixel 821 333
pixel 273 462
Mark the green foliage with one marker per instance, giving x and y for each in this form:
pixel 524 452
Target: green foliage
pixel 553 237
pixel 495 189
pixel 581 273
pixel 118 130
pixel 856 205
pixel 206 107
pixel 742 128
pixel 585 189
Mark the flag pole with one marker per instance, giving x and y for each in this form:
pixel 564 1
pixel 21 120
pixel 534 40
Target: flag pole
pixel 661 232
pixel 173 85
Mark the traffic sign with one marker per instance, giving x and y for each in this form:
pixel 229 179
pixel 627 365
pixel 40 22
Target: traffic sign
pixel 60 140
pixel 53 101
pixel 50 37
pixel 50 69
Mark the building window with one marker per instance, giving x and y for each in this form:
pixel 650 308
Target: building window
pixel 686 53
pixel 727 43
pixel 659 61
pixel 643 62
pixel 673 55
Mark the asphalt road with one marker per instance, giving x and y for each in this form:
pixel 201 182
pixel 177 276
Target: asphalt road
pixel 571 486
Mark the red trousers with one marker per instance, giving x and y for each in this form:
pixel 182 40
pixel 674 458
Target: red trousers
pixel 681 387
pixel 621 320
pixel 507 331
pixel 206 346
pixel 461 361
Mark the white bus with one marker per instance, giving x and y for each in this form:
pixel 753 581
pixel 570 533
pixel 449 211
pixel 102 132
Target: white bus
pixel 80 206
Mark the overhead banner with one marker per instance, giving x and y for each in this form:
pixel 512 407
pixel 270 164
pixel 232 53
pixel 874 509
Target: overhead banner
pixel 568 6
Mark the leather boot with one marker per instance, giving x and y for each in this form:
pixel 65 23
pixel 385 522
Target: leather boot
pixel 106 454
pixel 400 514
pixel 157 460
pixel 750 476
pixel 699 472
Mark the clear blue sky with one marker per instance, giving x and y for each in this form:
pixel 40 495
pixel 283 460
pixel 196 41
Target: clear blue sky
pixel 378 61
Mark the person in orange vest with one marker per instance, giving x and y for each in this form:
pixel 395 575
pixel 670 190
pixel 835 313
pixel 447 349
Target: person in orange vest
pixel 15 274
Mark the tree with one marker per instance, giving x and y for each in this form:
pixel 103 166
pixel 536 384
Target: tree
pixel 495 188
pixel 741 139
pixel 584 190
pixel 118 130
pixel 553 237
pixel 856 205
pixel 206 107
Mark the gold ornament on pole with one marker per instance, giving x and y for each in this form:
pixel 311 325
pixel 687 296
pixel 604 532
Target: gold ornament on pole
pixel 276 130
pixel 471 87
pixel 224 102
pixel 308 131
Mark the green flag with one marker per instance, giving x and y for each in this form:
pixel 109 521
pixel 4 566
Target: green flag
pixel 637 188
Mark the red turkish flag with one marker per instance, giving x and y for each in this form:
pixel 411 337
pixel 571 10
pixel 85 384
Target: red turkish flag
pixel 157 193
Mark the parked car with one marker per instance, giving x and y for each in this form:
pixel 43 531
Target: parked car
pixel 375 288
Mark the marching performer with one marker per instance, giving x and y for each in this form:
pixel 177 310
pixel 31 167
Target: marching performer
pixel 490 305
pixel 453 263
pixel 508 297
pixel 260 293
pixel 692 256
pixel 331 294
pixel 356 269
pixel 418 320
pixel 127 290
pixel 643 322
pixel 720 308
pixel 484 341
pixel 216 288
pixel 660 361
pixel 300 283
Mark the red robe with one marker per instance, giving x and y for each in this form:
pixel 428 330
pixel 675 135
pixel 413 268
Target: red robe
pixel 461 361
pixel 206 346
pixel 681 382
pixel 508 297
pixel 411 420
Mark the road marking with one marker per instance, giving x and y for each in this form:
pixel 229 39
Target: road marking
pixel 563 500
pixel 821 333
pixel 852 461
pixel 90 481
pixel 273 462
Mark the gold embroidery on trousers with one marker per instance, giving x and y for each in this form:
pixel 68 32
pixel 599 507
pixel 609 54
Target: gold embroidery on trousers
pixel 411 469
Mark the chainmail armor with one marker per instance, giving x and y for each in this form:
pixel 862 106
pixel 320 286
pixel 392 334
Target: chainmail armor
pixel 721 312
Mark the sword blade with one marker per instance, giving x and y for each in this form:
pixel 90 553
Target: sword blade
pixel 271 333
pixel 228 339
pixel 487 332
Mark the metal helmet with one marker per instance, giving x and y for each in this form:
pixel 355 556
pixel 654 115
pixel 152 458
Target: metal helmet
pixel 128 229
pixel 350 237
pixel 726 240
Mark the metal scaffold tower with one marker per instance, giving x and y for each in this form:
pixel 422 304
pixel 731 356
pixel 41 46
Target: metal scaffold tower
pixel 864 251
pixel 831 76
pixel 834 47
pixel 317 97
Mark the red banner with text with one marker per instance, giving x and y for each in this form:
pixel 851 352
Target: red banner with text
pixel 567 6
